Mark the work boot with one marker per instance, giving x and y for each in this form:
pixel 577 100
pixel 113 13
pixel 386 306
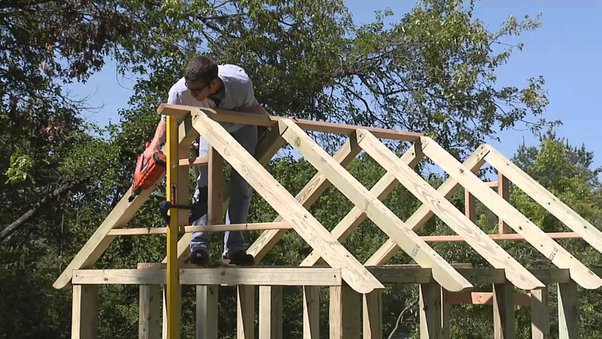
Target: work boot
pixel 199 257
pixel 240 258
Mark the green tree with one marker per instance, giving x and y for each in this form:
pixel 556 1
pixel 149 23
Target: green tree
pixel 433 70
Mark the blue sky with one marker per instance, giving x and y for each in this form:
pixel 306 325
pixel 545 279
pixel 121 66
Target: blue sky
pixel 565 50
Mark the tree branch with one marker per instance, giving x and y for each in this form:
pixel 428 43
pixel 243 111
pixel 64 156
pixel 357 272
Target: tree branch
pixel 8 230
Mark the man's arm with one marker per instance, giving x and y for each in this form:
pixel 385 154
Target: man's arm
pixel 157 139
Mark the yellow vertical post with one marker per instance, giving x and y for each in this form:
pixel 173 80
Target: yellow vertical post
pixel 173 280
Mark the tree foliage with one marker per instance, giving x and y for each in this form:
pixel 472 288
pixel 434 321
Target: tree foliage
pixel 431 70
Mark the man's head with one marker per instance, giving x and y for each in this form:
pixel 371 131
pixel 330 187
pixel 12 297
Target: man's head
pixel 201 77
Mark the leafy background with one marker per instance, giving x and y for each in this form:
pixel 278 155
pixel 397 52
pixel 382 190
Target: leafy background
pixel 432 71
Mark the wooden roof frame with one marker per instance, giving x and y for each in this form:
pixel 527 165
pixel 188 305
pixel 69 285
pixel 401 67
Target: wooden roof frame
pixel 331 170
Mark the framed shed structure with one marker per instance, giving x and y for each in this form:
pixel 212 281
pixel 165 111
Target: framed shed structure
pixel 355 305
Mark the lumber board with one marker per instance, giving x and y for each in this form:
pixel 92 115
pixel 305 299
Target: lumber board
pixel 297 276
pixel 356 216
pixel 308 195
pixel 328 127
pixel 504 236
pixel 270 312
pixel 311 312
pixel 100 239
pixel 415 247
pixel 518 222
pixel 308 125
pixel 207 228
pixel 372 315
pixel 448 213
pixel 267 276
pixel 424 213
pixel 175 110
pixel 540 314
pixel 306 225
pixel 264 152
pixel 245 312
pixel 484 298
pixel 568 311
pixel 117 218
pixel 430 310
pixel 193 161
pixel 503 312
pixel 545 198
pixel 84 312
pixel 206 317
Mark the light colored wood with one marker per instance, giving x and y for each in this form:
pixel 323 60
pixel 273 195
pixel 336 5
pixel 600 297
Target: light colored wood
pixel 423 213
pixel 503 312
pixel 183 195
pixel 215 213
pixel 503 190
pixel 328 127
pixel 245 312
pixel 311 312
pixel 447 212
pixel 206 311
pixel 507 236
pixel 297 276
pixel 209 228
pixel 175 110
pixel 356 216
pixel 430 311
pixel 532 233
pixel 262 120
pixel 568 311
pixel 194 162
pixel 308 125
pixel 149 317
pixel 470 206
pixel 307 196
pixel 540 314
pixel 335 313
pixel 547 200
pixel 372 309
pixel 270 312
pixel 117 218
pixel 307 226
pixel 100 240
pixel 84 312
pixel 483 298
pixel 282 276
pixel 374 208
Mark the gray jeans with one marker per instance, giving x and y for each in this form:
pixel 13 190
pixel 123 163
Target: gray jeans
pixel 240 197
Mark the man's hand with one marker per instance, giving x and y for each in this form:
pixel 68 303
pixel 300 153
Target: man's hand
pixel 148 152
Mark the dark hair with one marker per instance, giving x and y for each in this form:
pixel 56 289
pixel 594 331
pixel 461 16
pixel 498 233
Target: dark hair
pixel 201 68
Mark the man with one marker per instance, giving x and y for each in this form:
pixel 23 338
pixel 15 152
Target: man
pixel 205 84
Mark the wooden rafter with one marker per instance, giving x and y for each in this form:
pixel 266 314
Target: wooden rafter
pixel 98 243
pixel 424 213
pixel 307 196
pixel 419 250
pixel 306 225
pixel 356 216
pixel 547 200
pixel 533 234
pixel 264 152
pixel 444 209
